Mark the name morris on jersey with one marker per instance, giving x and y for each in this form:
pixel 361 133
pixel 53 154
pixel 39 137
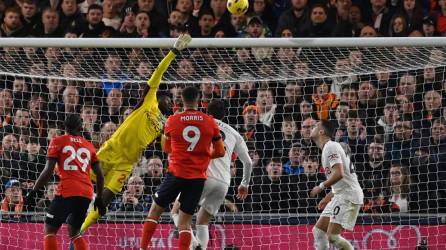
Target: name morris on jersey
pixel 191 118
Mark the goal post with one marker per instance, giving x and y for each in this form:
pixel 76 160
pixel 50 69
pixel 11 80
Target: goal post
pixel 386 96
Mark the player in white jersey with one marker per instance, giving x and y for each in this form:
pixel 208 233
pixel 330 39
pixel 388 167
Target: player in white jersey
pixel 219 175
pixel 341 206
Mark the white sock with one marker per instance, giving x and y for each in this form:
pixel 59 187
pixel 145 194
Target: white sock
pixel 203 235
pixel 320 239
pixel 175 218
pixel 340 242
pixel 194 241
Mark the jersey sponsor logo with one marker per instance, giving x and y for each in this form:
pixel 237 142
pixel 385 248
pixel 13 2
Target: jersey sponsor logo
pixel 191 118
pixel 333 157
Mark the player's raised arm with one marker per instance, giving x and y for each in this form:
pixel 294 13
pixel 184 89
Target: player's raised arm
pixel 181 43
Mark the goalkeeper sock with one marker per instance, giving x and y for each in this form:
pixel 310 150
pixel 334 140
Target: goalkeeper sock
pixel 339 242
pixel 148 231
pixel 79 243
pixel 203 235
pixel 91 219
pixel 185 239
pixel 175 218
pixel 50 242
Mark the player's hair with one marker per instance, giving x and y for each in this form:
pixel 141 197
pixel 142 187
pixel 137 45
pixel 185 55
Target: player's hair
pixel 216 108
pixel 190 94
pixel 73 124
pixel 328 128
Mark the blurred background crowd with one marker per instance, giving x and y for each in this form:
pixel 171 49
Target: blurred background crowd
pixel 391 123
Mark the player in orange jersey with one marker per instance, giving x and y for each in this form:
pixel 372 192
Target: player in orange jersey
pixel 74 156
pixel 192 139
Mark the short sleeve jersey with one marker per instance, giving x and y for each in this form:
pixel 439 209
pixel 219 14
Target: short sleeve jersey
pixel 191 134
pixel 74 155
pixel 348 187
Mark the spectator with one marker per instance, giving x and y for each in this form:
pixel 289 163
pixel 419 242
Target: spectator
pixel 94 25
pixel 239 23
pixel 209 90
pixel 128 24
pixel 369 104
pixel 293 96
pixel 385 83
pixel 285 138
pixel 21 123
pixel 30 15
pixel 323 99
pixel 70 97
pixel 10 159
pixel 33 162
pixel 262 9
pixel 13 199
pixel 306 180
pixel 113 111
pixel 271 192
pixel 386 123
pixel 111 16
pixel 431 78
pixel 50 24
pixel 157 20
pixel 153 175
pixel 374 171
pixel 398 26
pixel 114 77
pixel 380 16
pixel 267 107
pixel 318 26
pixel 257 132
pixel 341 115
pixel 355 136
pixel 342 68
pixel 6 105
pixel 296 155
pixel 70 17
pixel 403 143
pixel 206 22
pixel 440 18
pixel 106 132
pixel 350 96
pixel 256 28
pixel 186 69
pixel 50 193
pixel 295 17
pixel 12 24
pixel 55 87
pixel 20 92
pixel 133 198
pixel 429 27
pixel 89 115
pixel 398 188
pixel 368 31
pixel 305 139
pixel 412 11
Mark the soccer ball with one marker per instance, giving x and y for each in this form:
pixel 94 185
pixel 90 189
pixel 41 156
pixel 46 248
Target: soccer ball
pixel 238 7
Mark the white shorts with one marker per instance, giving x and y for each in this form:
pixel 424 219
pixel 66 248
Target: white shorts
pixel 214 193
pixel 342 212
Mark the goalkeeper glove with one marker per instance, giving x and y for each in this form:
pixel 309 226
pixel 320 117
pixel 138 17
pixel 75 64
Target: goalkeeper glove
pixel 181 43
pixel 99 205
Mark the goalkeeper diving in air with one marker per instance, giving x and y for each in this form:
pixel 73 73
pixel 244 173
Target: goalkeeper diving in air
pixel 120 153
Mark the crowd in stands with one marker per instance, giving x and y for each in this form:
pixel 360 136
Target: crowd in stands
pixel 391 123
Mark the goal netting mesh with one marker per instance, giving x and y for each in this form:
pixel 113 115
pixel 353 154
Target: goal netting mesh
pixel 388 104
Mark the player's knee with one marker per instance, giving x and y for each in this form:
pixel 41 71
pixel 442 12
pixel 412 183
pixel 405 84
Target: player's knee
pixel 333 238
pixel 318 233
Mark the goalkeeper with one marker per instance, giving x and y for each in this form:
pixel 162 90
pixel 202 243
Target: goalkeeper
pixel 120 153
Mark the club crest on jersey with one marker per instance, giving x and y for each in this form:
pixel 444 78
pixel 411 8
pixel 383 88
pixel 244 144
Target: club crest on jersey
pixel 333 157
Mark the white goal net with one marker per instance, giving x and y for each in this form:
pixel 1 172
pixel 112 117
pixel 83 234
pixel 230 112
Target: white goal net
pixel 387 98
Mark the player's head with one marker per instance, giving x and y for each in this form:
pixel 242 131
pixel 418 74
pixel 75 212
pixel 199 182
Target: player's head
pixel 165 104
pixel 73 124
pixel 323 130
pixel 190 96
pixel 216 108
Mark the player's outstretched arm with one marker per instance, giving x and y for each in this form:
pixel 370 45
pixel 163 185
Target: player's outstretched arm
pixel 181 43
pixel 42 180
pixel 243 154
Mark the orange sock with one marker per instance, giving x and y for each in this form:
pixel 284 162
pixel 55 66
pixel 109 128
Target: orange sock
pixel 185 239
pixel 50 242
pixel 148 231
pixel 80 244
